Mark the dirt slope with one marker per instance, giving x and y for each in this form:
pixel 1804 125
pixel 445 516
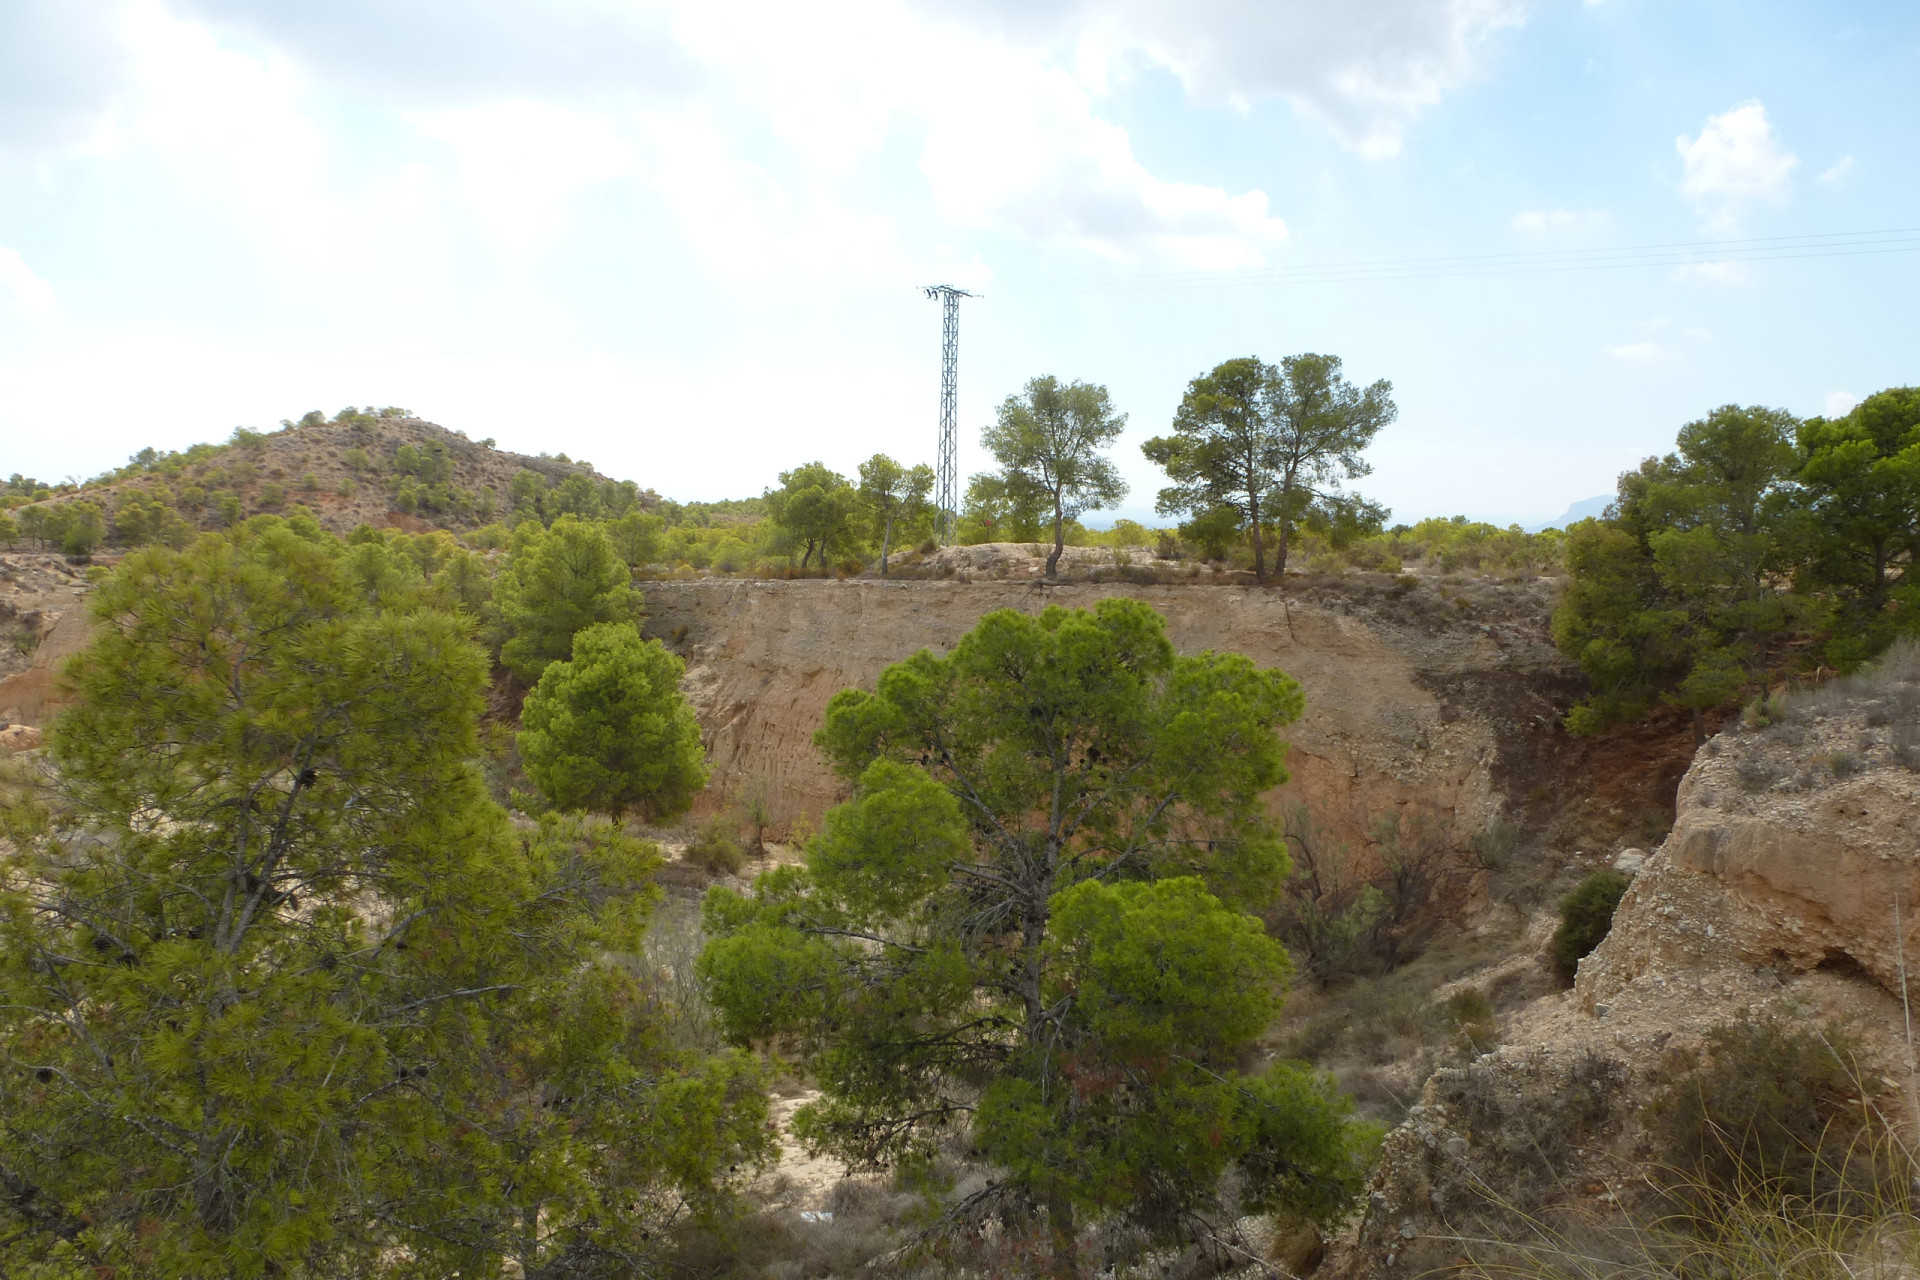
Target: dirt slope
pixel 1413 705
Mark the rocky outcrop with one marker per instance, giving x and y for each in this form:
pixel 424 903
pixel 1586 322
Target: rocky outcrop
pixel 1786 887
pixel 1796 848
pixel 44 612
pixel 1413 704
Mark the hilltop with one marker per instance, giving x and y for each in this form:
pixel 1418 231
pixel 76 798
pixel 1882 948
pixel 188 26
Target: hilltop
pixel 383 468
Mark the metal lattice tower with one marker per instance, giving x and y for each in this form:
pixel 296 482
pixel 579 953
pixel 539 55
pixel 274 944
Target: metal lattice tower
pixel 946 493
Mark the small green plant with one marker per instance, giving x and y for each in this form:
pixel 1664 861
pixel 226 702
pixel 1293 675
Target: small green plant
pixel 1765 710
pixel 715 849
pixel 272 497
pixel 755 805
pixel 1585 916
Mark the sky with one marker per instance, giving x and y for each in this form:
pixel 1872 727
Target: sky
pixel 685 239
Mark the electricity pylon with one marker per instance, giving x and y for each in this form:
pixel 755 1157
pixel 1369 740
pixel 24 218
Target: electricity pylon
pixel 946 498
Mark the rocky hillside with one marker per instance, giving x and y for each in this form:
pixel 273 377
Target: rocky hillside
pixel 357 468
pixel 1787 887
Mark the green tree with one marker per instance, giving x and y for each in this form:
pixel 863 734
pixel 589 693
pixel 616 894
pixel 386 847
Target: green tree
pixel 609 729
pixel 282 992
pixel 1321 426
pixel 814 506
pixel 83 527
pixel 890 495
pixel 34 523
pixel 999 508
pixel 9 529
pixel 558 582
pixel 1027 921
pixel 1047 439
pixel 1861 479
pixel 637 536
pixel 1224 454
pixel 1679 593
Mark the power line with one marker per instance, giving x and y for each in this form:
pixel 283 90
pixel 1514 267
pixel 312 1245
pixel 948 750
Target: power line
pixel 1686 253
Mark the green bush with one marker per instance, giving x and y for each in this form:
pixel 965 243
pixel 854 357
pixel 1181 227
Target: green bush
pixel 1769 1102
pixel 1585 916
pixel 715 848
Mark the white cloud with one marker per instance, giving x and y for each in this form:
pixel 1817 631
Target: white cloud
pixel 30 293
pixel 1009 140
pixel 1537 221
pixel 1366 68
pixel 1734 160
pixel 1837 170
pixel 1840 403
pixel 1640 353
pixel 522 162
pixel 1714 272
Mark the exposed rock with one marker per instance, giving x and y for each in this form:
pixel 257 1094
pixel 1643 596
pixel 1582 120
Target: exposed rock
pixel 19 737
pixel 1629 862
pixel 43 601
pixel 1810 872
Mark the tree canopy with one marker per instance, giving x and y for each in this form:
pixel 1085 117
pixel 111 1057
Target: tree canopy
pixel 814 507
pixel 891 495
pixel 1761 544
pixel 1028 921
pixel 283 992
pixel 1047 440
pixel 609 729
pixel 1269 442
pixel 559 581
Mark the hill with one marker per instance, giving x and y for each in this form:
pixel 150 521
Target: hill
pixel 383 468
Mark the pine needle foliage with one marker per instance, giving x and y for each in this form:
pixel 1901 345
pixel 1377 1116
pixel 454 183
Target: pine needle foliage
pixel 282 992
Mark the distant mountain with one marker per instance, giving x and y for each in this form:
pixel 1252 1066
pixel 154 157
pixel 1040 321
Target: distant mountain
pixel 1580 510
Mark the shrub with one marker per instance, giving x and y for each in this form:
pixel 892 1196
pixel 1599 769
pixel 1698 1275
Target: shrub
pixel 715 848
pixel 1770 1102
pixel 1474 1026
pixel 1585 916
pixel 272 497
pixel 1764 711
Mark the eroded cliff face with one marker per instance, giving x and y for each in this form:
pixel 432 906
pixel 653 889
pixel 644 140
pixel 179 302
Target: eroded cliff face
pixel 1414 702
pixel 1786 888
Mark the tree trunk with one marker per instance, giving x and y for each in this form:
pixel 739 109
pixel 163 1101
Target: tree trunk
pixel 1699 728
pixel 886 539
pixel 1280 551
pixel 1059 535
pixel 1066 1261
pixel 1259 545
